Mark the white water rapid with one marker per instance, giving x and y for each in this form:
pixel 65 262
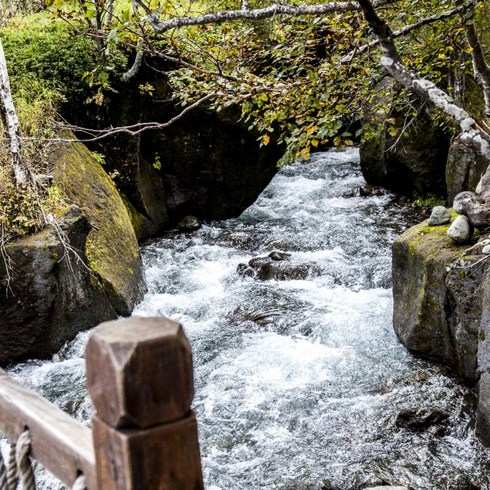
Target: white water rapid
pixel 298 382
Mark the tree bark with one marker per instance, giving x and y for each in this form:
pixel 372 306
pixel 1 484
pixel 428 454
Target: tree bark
pixel 480 67
pixel 10 124
pixel 472 133
pixel 254 14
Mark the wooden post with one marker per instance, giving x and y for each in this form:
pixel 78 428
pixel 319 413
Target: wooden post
pixel 139 375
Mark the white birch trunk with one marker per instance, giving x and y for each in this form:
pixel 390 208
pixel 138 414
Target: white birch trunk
pixel 471 132
pixel 10 123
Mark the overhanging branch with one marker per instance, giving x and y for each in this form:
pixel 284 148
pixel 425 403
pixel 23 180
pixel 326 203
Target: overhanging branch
pixel 160 26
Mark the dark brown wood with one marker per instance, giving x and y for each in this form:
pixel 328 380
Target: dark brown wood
pixel 139 372
pixel 162 458
pixel 139 375
pixel 61 444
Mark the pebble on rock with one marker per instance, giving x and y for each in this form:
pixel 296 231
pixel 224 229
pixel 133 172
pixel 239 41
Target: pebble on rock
pixel 439 216
pixel 460 230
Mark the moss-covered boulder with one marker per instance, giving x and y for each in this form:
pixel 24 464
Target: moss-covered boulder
pixel 437 298
pixel 112 248
pixel 48 292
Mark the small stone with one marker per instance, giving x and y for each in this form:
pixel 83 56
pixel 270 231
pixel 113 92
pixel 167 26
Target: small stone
pixel 279 255
pixel 485 249
pixel 439 216
pixel 189 223
pixel 372 191
pixel 460 230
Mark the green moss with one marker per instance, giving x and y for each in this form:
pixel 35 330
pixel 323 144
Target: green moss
pixel 111 247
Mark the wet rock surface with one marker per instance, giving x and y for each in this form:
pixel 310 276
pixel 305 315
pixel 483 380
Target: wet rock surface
pixel 189 224
pixel 421 419
pixel 437 303
pixel 277 266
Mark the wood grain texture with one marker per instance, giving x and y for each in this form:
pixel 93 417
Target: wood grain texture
pixel 162 458
pixel 60 443
pixel 139 372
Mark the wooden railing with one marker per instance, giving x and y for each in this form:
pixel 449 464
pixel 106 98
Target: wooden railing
pixel 144 434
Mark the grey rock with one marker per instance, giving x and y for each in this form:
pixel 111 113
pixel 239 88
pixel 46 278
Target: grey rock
pixel 460 230
pixel 474 207
pixel 414 163
pixel 268 268
pixel 50 294
pixel 421 419
pixel 189 223
pixel 486 249
pixel 439 216
pixel 464 167
pixel 210 165
pixel 372 191
pixel 435 311
pixel 482 428
pixel 274 255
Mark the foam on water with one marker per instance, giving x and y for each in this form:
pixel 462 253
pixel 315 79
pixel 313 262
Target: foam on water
pixel 298 382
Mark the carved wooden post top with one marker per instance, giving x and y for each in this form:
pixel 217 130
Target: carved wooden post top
pixel 139 372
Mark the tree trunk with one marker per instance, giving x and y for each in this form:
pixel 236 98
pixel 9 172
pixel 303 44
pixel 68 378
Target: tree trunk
pixel 10 123
pixel 471 132
pixel 480 66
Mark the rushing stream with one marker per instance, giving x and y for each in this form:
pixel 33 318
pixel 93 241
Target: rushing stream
pixel 298 382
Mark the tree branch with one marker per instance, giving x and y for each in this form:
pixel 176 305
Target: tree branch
pixel 255 14
pixel 411 27
pixel 133 129
pixel 472 132
pixel 480 66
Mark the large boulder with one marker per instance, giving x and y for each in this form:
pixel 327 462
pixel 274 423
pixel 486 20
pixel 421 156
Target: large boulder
pixel 411 159
pixel 464 168
pixel 206 164
pixel 49 293
pixel 437 298
pixel 112 248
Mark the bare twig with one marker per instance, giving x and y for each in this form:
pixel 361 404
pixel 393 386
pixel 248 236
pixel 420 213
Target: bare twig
pixel 133 129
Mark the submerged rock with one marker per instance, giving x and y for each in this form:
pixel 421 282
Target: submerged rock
pixel 189 223
pixel 421 419
pixel 439 216
pixel 372 190
pixel 387 487
pixel 277 267
pixel 460 230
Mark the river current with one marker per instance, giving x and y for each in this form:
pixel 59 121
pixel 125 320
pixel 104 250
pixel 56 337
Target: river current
pixel 298 382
